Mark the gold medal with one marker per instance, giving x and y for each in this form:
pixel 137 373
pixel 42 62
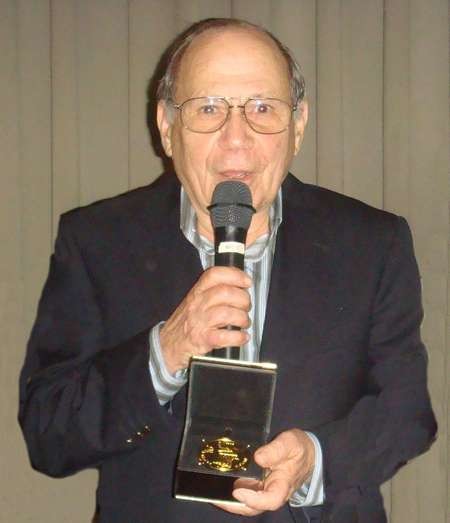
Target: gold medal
pixel 224 454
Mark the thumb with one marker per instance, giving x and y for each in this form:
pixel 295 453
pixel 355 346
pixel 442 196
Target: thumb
pixel 272 454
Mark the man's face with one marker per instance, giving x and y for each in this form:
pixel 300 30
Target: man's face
pixel 238 64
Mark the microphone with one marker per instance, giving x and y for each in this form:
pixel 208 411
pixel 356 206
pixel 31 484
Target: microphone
pixel 231 212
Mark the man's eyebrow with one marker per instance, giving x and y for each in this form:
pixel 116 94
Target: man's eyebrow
pixel 262 95
pixel 257 95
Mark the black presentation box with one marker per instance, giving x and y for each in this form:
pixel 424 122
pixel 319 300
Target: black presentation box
pixel 228 417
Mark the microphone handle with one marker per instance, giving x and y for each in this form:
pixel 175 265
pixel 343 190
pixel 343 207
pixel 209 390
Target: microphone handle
pixel 229 247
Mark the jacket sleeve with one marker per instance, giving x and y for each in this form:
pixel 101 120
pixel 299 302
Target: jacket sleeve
pixel 80 401
pixel 393 422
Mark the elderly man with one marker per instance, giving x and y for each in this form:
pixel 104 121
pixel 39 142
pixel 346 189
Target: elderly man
pixel 330 293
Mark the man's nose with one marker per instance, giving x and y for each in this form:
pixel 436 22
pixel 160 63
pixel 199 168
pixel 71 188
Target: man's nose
pixel 236 133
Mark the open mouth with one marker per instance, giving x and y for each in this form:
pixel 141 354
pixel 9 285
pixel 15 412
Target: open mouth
pixel 235 175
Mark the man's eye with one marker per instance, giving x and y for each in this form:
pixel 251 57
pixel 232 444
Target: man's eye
pixel 262 108
pixel 208 109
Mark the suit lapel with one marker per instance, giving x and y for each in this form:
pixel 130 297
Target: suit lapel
pixel 168 265
pixel 302 276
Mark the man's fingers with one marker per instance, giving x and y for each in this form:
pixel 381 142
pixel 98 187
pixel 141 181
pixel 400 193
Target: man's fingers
pixel 275 494
pixel 258 497
pixel 248 483
pixel 221 296
pixel 241 510
pixel 223 275
pixel 218 338
pixel 223 315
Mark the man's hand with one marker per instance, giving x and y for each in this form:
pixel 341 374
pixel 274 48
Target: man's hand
pixel 289 460
pixel 219 298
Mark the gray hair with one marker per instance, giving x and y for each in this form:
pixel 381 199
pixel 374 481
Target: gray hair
pixel 175 52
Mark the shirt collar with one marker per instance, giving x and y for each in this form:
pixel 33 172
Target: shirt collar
pixel 253 253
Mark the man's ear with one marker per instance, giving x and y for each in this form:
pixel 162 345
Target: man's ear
pixel 301 119
pixel 165 126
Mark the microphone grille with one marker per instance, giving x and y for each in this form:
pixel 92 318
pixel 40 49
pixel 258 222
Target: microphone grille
pixel 231 205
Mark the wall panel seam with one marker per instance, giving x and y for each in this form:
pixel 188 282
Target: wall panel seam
pixel 409 161
pixel 447 345
pixel 316 72
pixel 128 94
pixel 78 100
pixel 341 100
pixel 52 126
pixel 383 111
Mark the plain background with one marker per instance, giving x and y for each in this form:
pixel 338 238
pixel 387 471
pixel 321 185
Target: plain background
pixel 73 129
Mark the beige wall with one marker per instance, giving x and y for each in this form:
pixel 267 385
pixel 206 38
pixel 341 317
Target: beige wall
pixel 72 123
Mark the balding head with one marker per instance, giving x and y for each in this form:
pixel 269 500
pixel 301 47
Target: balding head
pixel 167 84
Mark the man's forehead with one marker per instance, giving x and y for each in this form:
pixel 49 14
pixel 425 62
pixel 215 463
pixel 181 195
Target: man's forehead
pixel 220 39
pixel 230 47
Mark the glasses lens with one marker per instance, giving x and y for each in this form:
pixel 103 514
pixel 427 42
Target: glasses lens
pixel 268 115
pixel 204 115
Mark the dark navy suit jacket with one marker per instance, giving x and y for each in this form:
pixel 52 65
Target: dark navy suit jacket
pixel 342 323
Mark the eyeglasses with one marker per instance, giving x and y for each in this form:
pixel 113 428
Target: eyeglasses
pixel 208 114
